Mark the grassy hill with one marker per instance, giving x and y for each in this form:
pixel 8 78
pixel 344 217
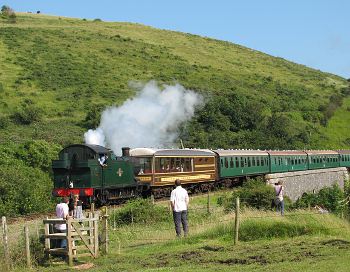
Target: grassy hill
pixel 54 71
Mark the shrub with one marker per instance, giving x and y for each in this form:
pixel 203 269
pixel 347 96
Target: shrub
pixel 24 190
pixel 28 114
pixel 331 198
pixel 4 121
pixel 140 211
pixel 254 193
pixel 38 153
pixel 93 116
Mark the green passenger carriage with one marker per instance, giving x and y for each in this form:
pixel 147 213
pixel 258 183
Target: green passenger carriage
pixel 322 159
pixel 235 163
pixel 344 158
pixel 287 161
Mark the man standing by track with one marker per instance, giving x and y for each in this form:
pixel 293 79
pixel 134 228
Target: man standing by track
pixel 179 203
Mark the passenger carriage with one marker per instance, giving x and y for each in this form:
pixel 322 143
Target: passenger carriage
pixel 322 159
pixel 161 167
pixel 236 163
pixel 287 161
pixel 344 158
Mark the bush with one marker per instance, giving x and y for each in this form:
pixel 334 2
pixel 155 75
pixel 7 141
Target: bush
pixel 38 153
pixel 24 190
pixel 331 198
pixel 93 116
pixel 28 114
pixel 4 121
pixel 140 211
pixel 254 193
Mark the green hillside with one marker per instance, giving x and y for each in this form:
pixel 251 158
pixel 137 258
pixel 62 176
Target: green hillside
pixel 54 71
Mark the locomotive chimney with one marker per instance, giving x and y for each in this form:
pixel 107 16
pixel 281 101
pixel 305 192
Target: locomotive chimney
pixel 126 151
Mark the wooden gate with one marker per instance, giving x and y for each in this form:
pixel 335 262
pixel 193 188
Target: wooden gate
pixel 81 235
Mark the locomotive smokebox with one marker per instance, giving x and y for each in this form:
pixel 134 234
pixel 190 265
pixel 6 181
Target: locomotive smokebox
pixel 126 151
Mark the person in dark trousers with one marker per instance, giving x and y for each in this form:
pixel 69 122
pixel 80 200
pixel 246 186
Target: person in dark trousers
pixel 279 191
pixel 179 203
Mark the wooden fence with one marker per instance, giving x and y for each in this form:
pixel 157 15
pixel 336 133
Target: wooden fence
pixel 81 236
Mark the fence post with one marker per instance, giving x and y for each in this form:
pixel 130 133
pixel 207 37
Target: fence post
pixel 5 242
pixel 208 204
pixel 47 240
pixel 95 224
pixel 105 230
pixel 92 208
pixel 37 230
pixel 27 242
pixel 69 241
pixel 114 223
pixel 236 221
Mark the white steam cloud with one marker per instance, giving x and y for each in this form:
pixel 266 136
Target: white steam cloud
pixel 148 120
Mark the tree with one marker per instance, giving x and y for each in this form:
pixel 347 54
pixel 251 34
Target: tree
pixel 5 10
pixel 9 14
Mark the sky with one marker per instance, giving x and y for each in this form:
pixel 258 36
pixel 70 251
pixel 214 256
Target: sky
pixel 315 33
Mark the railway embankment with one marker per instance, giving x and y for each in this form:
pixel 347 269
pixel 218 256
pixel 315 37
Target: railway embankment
pixel 310 181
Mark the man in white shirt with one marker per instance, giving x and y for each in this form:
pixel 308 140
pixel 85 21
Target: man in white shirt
pixel 62 211
pixel 179 203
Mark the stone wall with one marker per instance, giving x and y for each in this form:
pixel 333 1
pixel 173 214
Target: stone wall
pixel 310 181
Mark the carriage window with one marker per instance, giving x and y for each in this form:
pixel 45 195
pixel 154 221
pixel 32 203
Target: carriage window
pixel 164 165
pixel 145 164
pixel 253 161
pixel 262 162
pixel 257 161
pixel 249 164
pixel 231 163
pixel 242 162
pixel 222 163
pixel 226 163
pixel 237 162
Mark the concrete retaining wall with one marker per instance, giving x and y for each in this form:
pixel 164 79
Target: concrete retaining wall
pixel 310 181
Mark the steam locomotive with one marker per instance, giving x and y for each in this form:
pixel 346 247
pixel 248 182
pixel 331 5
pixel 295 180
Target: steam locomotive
pixel 146 171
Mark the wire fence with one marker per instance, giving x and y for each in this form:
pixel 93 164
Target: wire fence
pixel 132 234
pixel 203 217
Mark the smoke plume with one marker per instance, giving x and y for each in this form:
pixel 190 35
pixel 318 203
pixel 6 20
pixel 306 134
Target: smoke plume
pixel 150 119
